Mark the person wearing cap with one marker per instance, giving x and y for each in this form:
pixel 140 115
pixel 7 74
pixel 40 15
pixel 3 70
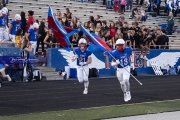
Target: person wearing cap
pixel 83 57
pixel 121 61
pixel 32 35
pixel 3 33
pixel 14 26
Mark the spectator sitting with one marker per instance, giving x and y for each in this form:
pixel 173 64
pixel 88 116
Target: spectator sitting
pixel 143 14
pixel 162 41
pixel 136 14
pixel 128 39
pixel 121 19
pixel 107 38
pixel 104 28
pixel 97 29
pixel 135 27
pixel 124 29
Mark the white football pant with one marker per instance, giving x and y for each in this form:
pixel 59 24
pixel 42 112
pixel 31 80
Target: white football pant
pixel 123 77
pixel 82 75
pixel 34 44
pixel 4 35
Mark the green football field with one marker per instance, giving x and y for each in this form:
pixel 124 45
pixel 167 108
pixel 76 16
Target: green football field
pixel 102 112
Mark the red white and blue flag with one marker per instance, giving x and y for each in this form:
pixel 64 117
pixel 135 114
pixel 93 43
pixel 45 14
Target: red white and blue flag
pixel 59 31
pixel 93 38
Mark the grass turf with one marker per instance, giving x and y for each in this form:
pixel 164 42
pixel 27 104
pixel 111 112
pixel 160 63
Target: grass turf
pixel 101 112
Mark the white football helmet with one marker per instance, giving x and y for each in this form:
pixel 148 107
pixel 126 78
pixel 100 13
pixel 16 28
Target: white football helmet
pixel 35 26
pixel 120 41
pixel 82 40
pixel 17 17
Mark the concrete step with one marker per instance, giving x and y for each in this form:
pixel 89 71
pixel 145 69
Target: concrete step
pixel 46 69
pixel 49 73
pixel 54 77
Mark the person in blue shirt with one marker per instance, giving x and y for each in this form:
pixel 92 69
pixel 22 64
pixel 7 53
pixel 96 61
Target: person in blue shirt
pixel 14 26
pixel 3 33
pixel 83 57
pixel 32 35
pixel 2 70
pixel 121 61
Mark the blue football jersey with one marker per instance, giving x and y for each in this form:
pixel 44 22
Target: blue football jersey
pixel 123 57
pixel 15 27
pixel 33 34
pixel 2 21
pixel 82 56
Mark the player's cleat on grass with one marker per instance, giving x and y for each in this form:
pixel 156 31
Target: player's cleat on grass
pixel 85 91
pixel 125 97
pixel 128 95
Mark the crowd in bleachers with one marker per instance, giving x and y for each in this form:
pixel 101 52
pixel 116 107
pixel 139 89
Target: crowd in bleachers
pixel 37 31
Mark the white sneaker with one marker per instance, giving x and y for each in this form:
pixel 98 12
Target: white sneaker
pixel 85 91
pixel 125 97
pixel 44 65
pixel 141 56
pixel 128 95
pixel 9 78
pixel 145 58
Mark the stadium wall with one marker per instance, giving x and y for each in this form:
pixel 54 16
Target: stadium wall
pixel 59 58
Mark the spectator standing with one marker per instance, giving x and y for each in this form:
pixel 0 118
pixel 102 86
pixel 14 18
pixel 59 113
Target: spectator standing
pixel 30 20
pixel 170 23
pixel 96 21
pixel 109 4
pixel 129 4
pixel 24 22
pixel 26 49
pixel 50 40
pixel 112 30
pixel 91 20
pixel 19 38
pixel 65 20
pixel 41 36
pixel 123 4
pixel 69 14
pixel 58 15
